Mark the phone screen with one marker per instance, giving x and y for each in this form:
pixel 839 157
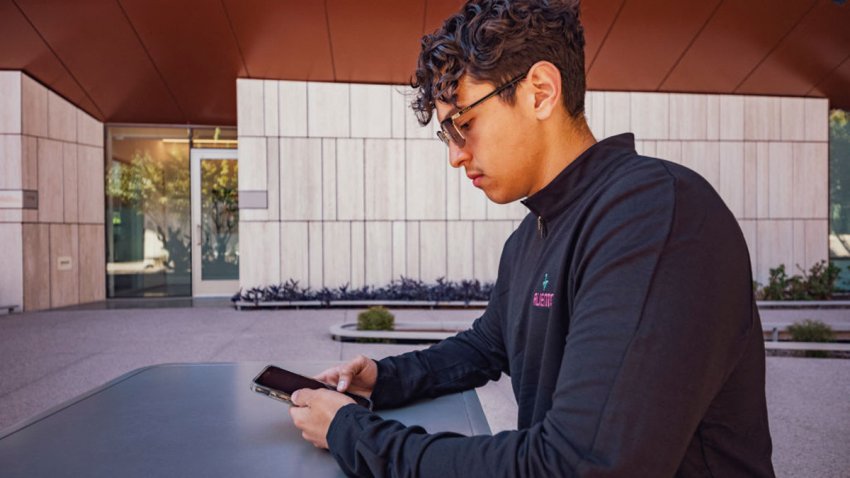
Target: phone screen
pixel 276 378
pixel 286 381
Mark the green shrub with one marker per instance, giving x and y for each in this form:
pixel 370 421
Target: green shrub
pixel 376 318
pixel 776 285
pixel 822 278
pixel 817 284
pixel 812 331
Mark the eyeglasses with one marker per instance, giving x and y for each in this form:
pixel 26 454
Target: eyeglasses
pixel 448 127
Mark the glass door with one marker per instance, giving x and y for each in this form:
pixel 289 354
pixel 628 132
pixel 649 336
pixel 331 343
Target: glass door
pixel 215 222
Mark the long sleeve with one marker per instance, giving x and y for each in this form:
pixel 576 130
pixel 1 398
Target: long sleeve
pixel 467 360
pixel 653 338
pixel 462 362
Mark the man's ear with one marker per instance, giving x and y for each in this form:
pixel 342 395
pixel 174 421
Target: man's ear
pixel 545 83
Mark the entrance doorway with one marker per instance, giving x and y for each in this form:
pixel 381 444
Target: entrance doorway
pixel 215 222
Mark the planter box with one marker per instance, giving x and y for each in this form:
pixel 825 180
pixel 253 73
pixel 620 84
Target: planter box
pixel 352 304
pixel 405 332
pixel 292 304
pixel 803 304
pixel 812 346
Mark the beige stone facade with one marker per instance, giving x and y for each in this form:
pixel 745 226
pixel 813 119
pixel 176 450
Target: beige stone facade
pixel 51 198
pixel 347 188
pixel 359 193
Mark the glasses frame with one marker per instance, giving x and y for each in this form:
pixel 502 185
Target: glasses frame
pixel 449 131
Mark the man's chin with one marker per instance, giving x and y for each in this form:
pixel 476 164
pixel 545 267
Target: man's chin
pixel 499 197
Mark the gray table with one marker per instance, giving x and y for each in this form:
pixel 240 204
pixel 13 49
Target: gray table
pixel 193 420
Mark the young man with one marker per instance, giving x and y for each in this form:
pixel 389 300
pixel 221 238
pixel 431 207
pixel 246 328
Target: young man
pixel 623 309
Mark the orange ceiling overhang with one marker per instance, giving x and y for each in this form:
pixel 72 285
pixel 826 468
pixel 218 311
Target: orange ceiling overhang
pixel 176 62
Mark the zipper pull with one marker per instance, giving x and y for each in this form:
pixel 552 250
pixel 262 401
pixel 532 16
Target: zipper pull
pixel 541 227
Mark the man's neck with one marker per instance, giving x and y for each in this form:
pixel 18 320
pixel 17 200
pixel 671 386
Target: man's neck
pixel 563 146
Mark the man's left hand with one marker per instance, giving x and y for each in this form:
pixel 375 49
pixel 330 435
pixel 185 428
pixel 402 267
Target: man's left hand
pixel 313 412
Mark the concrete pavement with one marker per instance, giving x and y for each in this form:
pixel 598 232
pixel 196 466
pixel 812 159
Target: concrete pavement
pixel 49 357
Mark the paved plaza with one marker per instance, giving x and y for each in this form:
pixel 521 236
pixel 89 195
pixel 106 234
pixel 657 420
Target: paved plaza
pixel 49 357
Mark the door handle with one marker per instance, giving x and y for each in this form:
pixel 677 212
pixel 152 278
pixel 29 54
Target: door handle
pixel 199 234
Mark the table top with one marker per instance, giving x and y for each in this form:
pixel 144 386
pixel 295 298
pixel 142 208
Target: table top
pixel 194 420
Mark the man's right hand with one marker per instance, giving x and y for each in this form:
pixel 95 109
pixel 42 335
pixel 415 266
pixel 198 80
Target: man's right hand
pixel 357 376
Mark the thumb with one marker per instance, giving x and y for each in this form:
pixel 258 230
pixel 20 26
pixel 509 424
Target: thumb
pixel 345 376
pixel 348 371
pixel 302 397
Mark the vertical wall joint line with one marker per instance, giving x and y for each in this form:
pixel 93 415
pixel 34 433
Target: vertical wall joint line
pixel 330 39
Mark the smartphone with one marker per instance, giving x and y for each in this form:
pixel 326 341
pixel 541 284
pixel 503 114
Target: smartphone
pixel 279 384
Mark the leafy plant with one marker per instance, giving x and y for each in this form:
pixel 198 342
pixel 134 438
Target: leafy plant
pixel 816 284
pixel 812 331
pixel 776 285
pixel 405 289
pixel 376 318
pixel 822 278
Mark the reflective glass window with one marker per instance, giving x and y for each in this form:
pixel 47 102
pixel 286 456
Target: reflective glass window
pixel 839 195
pixel 148 212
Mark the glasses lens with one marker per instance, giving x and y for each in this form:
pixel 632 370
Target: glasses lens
pixel 450 132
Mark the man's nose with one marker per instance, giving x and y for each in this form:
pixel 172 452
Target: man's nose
pixel 457 156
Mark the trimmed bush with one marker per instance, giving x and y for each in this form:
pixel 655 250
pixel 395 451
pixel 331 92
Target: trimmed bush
pixel 812 331
pixel 375 318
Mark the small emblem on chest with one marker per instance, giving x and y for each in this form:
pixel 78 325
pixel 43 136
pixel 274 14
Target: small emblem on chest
pixel 543 299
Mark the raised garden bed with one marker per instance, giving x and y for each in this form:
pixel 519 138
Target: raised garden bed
pixel 404 332
pixel 839 350
pixel 481 304
pixel 803 304
pixel 432 332
pixel 353 304
pixel 404 292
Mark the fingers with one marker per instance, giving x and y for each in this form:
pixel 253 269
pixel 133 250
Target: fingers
pixel 342 376
pixel 296 414
pixel 344 380
pixel 313 412
pixel 330 376
pixel 348 371
pixel 301 417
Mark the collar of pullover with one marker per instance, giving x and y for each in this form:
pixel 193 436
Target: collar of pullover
pixel 569 183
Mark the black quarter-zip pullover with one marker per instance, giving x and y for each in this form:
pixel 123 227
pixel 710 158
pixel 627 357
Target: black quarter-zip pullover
pixel 623 313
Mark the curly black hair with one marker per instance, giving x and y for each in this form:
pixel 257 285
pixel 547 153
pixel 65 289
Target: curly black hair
pixel 497 40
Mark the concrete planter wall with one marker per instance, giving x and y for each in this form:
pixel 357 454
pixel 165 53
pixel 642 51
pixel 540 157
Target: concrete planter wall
pixel 353 304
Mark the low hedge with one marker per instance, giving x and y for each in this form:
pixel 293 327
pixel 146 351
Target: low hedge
pixel 405 289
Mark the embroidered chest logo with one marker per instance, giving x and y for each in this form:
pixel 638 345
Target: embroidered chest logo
pixel 544 299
